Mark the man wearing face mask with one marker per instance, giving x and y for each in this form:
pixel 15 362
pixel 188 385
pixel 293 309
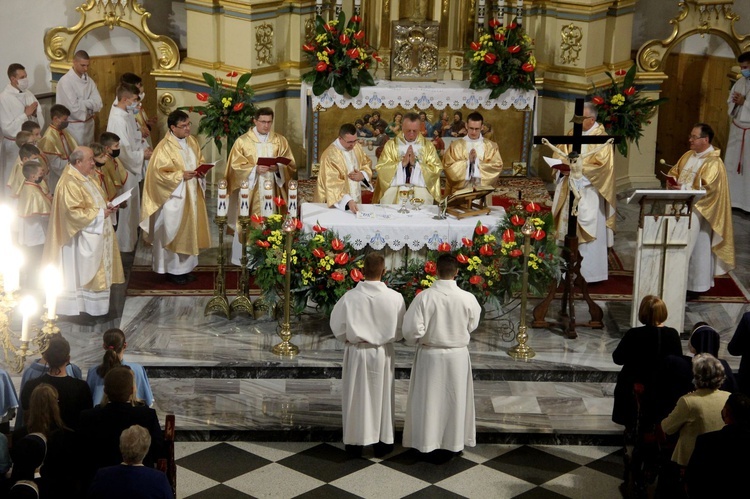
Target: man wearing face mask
pixel 133 151
pixel 115 173
pixel 408 159
pixel 57 143
pixel 17 105
pixel 144 122
pixel 737 156
pixel 78 92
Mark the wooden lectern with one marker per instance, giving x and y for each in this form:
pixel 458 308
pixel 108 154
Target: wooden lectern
pixel 661 255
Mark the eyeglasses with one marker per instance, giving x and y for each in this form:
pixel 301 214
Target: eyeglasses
pixel 185 126
pixel 693 137
pixel 265 122
pixel 589 117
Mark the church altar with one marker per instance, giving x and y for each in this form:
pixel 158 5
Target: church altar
pixel 511 115
pixel 382 226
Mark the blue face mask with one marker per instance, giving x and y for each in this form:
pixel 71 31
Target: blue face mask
pixel 746 73
pixel 132 107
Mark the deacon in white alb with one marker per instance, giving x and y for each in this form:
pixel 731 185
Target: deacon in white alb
pixel 440 406
pixel 368 318
pixel 737 156
pixel 78 92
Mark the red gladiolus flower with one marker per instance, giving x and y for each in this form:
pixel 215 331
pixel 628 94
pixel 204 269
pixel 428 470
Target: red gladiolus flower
pixel 308 47
pixel 486 250
pixel 620 72
pixel 499 37
pixel 493 79
pixel 344 39
pixel 598 101
pixel 257 219
pixel 509 235
pixel 202 96
pixel 512 26
pixel 444 247
pixel 318 253
pixel 319 228
pixel 338 276
pixel 279 201
pixel 517 220
pixel 356 19
pixel 490 58
pixel 516 252
pixel 475 279
pixel 321 66
pixel 262 244
pixel 629 91
pixel 356 275
pixel 532 207
pixel 480 229
pixel 494 23
pixel 359 35
pixel 538 235
pixel 514 49
pixel 329 51
pixel 528 67
pixel 232 74
pixel 463 259
pixel 475 46
pixel 298 223
pixel 282 269
pixel 430 267
pixel 238 107
pixel 337 244
pixel 341 258
pixel 353 53
pixel 467 242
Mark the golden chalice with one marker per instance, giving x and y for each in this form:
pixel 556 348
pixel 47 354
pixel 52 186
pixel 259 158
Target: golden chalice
pixel 417 203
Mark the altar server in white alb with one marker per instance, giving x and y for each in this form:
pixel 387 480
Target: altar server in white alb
pixel 78 92
pixel 368 318
pixel 737 156
pixel 17 106
pixel 440 406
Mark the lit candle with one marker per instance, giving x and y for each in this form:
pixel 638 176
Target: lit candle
pixel 52 286
pixel 28 308
pixel 244 199
pixel 293 209
pixel 222 207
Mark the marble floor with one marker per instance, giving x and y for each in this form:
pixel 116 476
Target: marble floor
pixel 223 383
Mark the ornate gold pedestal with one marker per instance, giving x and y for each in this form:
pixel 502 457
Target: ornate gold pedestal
pixel 219 302
pixel 242 302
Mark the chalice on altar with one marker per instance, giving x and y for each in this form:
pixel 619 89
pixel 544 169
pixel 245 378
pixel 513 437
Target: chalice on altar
pixel 417 203
pixel 405 193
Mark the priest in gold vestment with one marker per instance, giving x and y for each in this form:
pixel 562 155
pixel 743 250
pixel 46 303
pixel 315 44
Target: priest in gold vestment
pixel 408 159
pixel 173 213
pixel 81 240
pixel 471 160
pixel 266 182
pixel 345 170
pixel 711 236
pixel 57 143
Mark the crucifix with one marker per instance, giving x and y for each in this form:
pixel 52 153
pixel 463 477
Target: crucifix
pixel 572 271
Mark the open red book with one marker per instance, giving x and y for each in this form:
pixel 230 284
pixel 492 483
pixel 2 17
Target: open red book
pixel 562 167
pixel 203 169
pixel 274 161
pixel 672 182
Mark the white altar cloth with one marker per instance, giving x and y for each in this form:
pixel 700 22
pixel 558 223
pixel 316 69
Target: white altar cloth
pixel 414 230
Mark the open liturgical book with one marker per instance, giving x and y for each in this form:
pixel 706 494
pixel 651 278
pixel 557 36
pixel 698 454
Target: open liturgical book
pixel 469 202
pixel 205 167
pixel 274 161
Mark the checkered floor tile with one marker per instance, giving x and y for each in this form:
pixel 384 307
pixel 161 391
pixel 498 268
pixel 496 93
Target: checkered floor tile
pixel 229 470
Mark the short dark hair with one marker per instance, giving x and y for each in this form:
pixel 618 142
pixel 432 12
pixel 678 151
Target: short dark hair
pixel 447 265
pixel 175 117
pixel 706 131
pixel 58 111
pixel 411 117
pixel 108 139
pixel 30 126
pixel 13 68
pixel 652 311
pixel 358 121
pixel 263 111
pixel 744 57
pixel 376 113
pixel 347 129
pixel 475 116
pixel 28 150
pixel 374 265
pixel 81 55
pixel 459 113
pixel 58 352
pixel 131 78
pixel 126 90
pixel 118 384
pixel 739 408
pixel 30 168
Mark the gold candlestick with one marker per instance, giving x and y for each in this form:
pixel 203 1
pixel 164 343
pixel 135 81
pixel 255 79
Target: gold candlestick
pixel 219 302
pixel 285 348
pixel 242 302
pixel 522 350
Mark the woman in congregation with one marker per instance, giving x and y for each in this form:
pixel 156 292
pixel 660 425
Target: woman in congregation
pixel 640 353
pixel 114 350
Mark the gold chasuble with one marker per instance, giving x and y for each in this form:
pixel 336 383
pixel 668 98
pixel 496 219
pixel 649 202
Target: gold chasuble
pixel 241 166
pixel 599 170
pixel 33 201
pixel 333 178
pixel 390 160
pixel 76 204
pixel 57 143
pixel 716 205
pixel 164 182
pixel 456 164
pixel 114 176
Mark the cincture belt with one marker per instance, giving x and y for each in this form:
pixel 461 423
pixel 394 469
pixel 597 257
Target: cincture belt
pixel 742 145
pixel 82 121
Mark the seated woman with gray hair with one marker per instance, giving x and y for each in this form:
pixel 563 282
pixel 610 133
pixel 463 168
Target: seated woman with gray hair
pixel 130 479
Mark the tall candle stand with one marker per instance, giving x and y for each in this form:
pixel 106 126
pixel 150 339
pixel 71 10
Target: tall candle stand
pixel 522 350
pixel 242 302
pixel 219 302
pixel 286 348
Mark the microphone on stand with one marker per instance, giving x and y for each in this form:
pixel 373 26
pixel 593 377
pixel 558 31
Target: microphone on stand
pixel 664 163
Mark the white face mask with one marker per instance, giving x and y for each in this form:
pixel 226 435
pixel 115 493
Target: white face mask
pixel 23 84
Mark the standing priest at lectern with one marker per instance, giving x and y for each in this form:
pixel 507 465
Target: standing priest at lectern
pixel 408 159
pixel 711 237
pixel 596 206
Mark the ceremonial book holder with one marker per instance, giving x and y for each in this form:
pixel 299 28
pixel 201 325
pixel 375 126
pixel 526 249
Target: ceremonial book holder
pixel 661 254
pixel 470 202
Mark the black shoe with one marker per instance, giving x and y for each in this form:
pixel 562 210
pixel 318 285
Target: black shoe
pixel 380 449
pixel 353 451
pixel 180 280
pixel 439 456
pixel 190 277
pixel 692 295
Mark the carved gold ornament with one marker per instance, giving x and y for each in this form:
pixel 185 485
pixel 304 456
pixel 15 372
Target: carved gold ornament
pixel 166 102
pixel 570 47
pixel 264 43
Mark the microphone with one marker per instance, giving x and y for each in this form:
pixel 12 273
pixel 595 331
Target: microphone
pixel 664 163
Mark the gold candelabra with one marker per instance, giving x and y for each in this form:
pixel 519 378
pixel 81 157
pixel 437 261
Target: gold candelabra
pixel 242 302
pixel 219 302
pixel 286 348
pixel 522 350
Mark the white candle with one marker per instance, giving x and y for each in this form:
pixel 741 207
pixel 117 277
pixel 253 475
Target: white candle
pixel 12 269
pixel 222 200
pixel 357 3
pixel 267 206
pixel 28 308
pixel 52 283
pixel 293 208
pixel 244 199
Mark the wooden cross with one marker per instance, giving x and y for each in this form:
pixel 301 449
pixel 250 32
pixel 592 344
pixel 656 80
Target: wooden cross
pixel 573 258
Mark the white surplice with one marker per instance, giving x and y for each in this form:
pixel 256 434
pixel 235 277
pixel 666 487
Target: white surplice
pixel 122 123
pixel 13 104
pixel 81 97
pixel 440 406
pixel 368 318
pixel 737 154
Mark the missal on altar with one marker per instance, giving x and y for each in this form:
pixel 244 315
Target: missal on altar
pixel 205 167
pixel 274 161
